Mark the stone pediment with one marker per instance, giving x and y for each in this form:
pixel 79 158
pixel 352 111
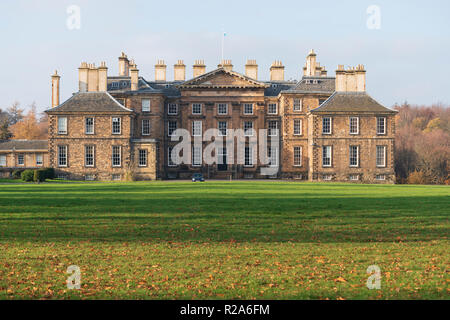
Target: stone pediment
pixel 221 78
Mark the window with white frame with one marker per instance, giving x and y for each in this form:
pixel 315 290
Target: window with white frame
pixel 89 156
pixel 21 159
pixel 196 108
pixel 222 108
pixel 62 156
pixel 171 127
pixel 89 125
pixel 327 177
pixel 326 156
pixel 354 177
pixel 116 156
pixel 223 126
pixel 354 125
pixel 298 127
pixel 248 128
pixel 273 156
pixel 116 126
pixel 381 156
pixel 380 177
pixel 297 105
pixel 172 108
pixel 273 128
pixel 170 161
pixel 272 108
pixel 3 160
pixel 298 156
pixel 354 156
pixel 115 177
pixel 145 105
pixel 196 128
pixel 39 159
pixel 62 125
pixel 248 108
pixel 326 125
pixel 142 157
pixel 381 125
pixel 145 127
pixel 222 155
pixel 196 156
pixel 248 156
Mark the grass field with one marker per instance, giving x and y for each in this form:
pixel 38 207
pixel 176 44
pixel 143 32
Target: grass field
pixel 224 240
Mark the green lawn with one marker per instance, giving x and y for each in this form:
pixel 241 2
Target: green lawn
pixel 239 240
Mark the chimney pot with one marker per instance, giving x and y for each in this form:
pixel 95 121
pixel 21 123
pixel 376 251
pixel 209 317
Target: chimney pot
pixel 251 69
pixel 198 68
pixel 160 71
pixel 277 71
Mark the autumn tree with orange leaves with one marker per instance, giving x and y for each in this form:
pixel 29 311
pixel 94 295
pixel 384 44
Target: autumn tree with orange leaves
pixel 31 126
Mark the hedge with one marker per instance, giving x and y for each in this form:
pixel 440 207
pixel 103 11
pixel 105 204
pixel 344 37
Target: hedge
pixel 17 174
pixel 27 175
pixel 40 175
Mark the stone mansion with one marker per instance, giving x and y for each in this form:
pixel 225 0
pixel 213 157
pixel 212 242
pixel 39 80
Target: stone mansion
pixel 327 128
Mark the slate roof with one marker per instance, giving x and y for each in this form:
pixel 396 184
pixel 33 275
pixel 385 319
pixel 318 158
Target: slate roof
pixel 123 84
pixel 18 145
pixel 314 84
pixel 275 87
pixel 90 102
pixel 351 102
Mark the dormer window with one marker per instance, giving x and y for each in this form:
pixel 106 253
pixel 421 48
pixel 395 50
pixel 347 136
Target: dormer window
pixel 115 85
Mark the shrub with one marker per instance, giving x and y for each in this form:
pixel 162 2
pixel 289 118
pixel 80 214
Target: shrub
pixel 417 177
pixel 49 173
pixel 40 175
pixel 27 175
pixel 17 174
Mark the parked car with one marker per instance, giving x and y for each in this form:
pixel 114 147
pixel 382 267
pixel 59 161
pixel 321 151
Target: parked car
pixel 198 177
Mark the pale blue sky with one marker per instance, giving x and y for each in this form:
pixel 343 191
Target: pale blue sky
pixel 407 59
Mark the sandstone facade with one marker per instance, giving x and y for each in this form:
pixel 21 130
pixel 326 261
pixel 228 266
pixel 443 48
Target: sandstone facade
pixel 328 128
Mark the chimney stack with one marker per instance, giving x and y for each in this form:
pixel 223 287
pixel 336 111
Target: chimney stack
pixel 160 71
pixel 251 69
pixel 134 73
pixel 277 71
pixel 198 68
pixel 92 78
pixel 360 78
pixel 226 64
pixel 124 66
pixel 311 64
pixel 103 77
pixel 55 89
pixel 351 80
pixel 179 71
pixel 83 77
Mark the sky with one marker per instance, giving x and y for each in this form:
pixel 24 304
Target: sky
pixel 405 48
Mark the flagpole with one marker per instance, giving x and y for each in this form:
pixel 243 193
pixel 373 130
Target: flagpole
pixel 223 40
